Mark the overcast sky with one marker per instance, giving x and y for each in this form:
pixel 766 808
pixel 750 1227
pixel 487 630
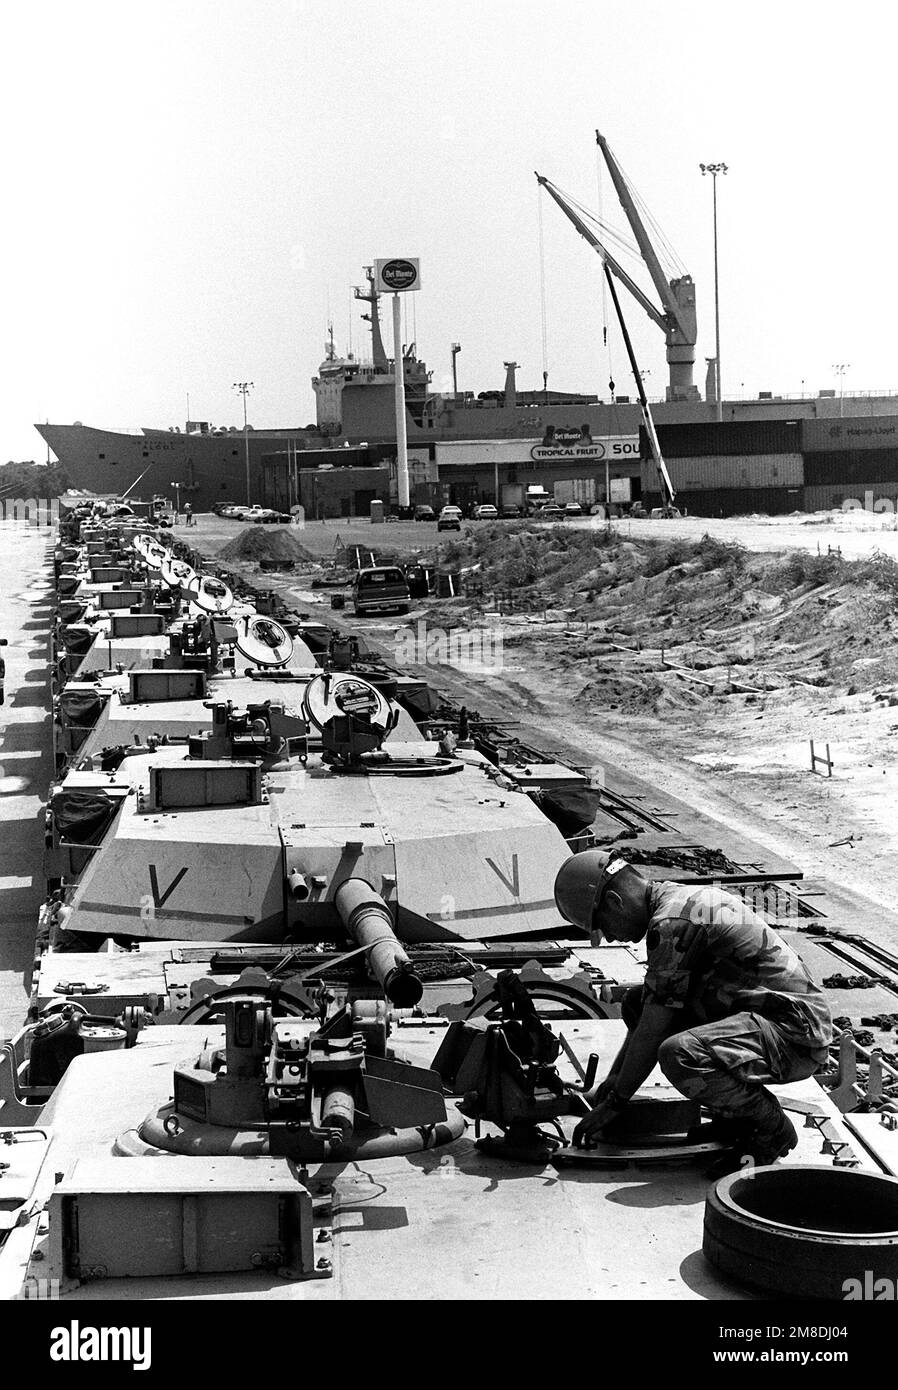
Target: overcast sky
pixel 193 187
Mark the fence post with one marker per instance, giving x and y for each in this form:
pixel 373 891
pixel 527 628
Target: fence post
pixel 816 758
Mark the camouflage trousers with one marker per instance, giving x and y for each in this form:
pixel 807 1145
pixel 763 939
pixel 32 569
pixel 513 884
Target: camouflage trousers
pixel 725 1065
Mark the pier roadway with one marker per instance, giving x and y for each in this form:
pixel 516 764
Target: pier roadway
pixel 25 753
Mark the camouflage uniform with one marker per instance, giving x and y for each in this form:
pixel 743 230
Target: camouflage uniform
pixel 750 1012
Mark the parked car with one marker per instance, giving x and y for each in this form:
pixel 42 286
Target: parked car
pixel 550 512
pixel 638 511
pixel 485 512
pixel 511 513
pixel 382 587
pixel 449 519
pixel 573 509
pixel 664 513
pixel 425 513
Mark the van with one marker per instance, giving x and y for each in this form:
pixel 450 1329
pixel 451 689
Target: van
pixel 536 498
pixel 383 587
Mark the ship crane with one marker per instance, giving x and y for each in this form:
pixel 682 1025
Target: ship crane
pixel 609 265
pixel 676 317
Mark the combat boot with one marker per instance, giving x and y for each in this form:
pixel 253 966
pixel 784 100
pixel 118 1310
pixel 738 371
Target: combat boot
pixel 721 1129
pixel 772 1136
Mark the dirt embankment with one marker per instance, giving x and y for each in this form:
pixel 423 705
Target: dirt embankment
pixel 709 668
pixel 682 623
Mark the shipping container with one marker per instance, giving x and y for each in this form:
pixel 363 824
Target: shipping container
pixel 582 490
pixel 868 433
pixel 737 471
pixel 728 438
pixel 851 466
pixel 713 502
pixel 876 497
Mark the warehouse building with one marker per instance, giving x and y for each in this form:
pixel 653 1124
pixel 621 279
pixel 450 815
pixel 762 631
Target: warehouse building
pixel 567 462
pixel 344 482
pixel 737 467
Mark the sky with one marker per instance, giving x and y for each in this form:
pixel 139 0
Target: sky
pixel 193 186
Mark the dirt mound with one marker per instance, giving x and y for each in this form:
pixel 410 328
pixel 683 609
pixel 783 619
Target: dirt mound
pixel 262 543
pixel 677 624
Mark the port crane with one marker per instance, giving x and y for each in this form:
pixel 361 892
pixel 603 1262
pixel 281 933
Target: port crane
pixel 612 268
pixel 676 317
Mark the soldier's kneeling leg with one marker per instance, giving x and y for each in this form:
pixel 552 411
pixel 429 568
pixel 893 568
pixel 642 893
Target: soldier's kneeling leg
pixel 725 1064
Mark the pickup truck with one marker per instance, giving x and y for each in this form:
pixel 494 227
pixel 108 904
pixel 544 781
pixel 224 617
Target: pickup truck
pixel 380 587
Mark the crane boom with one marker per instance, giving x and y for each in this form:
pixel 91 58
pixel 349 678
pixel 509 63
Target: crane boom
pixel 588 235
pixel 612 269
pixel 677 317
pixel 677 295
pixel 666 486
pixel 646 248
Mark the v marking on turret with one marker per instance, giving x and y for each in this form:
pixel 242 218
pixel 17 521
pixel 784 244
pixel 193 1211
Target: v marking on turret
pixel 154 884
pixel 513 884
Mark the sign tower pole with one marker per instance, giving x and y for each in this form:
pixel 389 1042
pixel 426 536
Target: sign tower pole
pixel 398 277
pixel 401 432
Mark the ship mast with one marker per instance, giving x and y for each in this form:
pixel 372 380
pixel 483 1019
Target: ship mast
pixel 381 363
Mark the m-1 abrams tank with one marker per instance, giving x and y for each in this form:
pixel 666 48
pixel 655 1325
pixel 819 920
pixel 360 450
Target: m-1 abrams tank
pixel 306 1021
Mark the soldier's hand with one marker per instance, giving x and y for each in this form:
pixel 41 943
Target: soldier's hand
pixel 599 1092
pixel 589 1130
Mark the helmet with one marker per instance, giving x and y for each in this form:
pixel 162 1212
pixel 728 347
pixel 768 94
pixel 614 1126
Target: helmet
pixel 581 881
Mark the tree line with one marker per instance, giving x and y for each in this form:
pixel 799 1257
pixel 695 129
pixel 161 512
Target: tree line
pixel 33 479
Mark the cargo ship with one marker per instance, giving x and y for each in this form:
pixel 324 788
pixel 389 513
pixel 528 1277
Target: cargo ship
pixel 773 454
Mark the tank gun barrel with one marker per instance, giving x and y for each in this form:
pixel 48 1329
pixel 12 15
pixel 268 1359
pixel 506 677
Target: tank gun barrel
pixel 366 918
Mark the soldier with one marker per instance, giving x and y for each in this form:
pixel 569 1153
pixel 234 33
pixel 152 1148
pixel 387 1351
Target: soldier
pixel 725 1006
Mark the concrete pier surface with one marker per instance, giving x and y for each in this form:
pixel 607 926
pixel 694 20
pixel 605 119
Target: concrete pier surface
pixel 25 753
